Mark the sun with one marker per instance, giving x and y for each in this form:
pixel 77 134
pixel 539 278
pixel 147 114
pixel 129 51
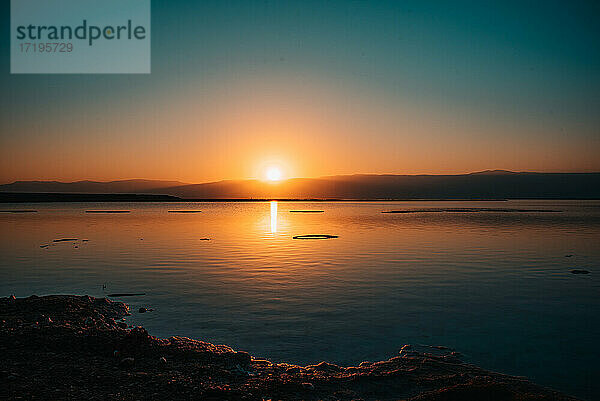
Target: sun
pixel 274 174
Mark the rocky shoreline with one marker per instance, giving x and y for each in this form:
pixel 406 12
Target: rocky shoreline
pixel 78 347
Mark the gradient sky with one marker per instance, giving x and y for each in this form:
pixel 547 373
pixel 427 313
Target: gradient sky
pixel 320 88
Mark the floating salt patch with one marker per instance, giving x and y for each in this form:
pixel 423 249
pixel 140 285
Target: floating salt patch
pixel 108 211
pixel 472 210
pixel 315 236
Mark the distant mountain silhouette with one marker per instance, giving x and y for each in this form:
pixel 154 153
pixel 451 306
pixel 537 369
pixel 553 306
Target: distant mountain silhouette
pixel 37 197
pixel 112 187
pixel 493 184
pixel 494 172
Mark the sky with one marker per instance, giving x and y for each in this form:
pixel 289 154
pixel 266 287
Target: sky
pixel 320 88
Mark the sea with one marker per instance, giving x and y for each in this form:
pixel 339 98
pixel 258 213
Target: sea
pixel 492 280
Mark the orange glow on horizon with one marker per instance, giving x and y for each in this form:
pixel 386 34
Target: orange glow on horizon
pixel 305 130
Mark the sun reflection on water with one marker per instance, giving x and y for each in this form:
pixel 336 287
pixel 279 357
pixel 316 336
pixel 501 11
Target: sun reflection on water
pixel 273 216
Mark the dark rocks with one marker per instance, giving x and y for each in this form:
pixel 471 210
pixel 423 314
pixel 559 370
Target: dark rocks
pixel 453 357
pixel 405 348
pixel 308 386
pixel 239 371
pixel 242 357
pixel 122 325
pixel 293 369
pixel 142 310
pixel 261 363
pixel 324 367
pixel 580 271
pixel 72 359
pixel 137 335
pixel 127 363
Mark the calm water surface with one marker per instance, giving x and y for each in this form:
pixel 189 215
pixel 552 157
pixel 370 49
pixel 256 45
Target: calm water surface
pixel 495 286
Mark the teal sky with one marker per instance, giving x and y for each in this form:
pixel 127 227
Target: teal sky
pixel 320 88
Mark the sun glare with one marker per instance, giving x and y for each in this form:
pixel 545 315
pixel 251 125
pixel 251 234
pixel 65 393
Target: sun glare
pixel 274 174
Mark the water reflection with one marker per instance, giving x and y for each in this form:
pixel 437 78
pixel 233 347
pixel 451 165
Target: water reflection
pixel 495 286
pixel 273 216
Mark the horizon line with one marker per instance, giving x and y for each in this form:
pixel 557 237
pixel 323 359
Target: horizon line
pixel 489 171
